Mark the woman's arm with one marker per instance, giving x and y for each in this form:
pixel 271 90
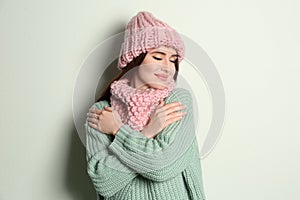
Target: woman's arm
pixel 107 173
pixel 172 149
pixel 163 157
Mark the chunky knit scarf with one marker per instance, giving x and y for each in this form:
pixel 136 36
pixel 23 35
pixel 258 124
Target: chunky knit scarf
pixel 134 105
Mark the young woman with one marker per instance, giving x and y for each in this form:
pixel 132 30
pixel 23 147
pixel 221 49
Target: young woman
pixel 141 142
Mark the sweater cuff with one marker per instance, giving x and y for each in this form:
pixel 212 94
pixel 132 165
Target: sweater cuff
pixel 124 139
pixel 120 140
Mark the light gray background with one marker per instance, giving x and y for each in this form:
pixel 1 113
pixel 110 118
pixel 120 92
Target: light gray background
pixel 254 44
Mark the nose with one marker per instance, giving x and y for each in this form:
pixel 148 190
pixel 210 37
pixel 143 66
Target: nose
pixel 168 63
pixel 168 68
pixel 165 69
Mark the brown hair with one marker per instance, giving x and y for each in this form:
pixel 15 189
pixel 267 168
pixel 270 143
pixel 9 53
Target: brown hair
pixel 105 95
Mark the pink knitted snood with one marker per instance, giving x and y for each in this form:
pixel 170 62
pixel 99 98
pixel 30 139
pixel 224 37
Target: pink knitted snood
pixel 135 106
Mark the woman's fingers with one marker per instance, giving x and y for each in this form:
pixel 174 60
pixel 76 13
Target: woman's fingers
pixel 170 110
pixel 176 114
pixel 172 120
pixel 170 105
pixel 166 107
pixel 93 125
pixel 92 115
pixel 173 116
pixel 95 111
pixel 174 108
pixel 108 108
pixel 92 120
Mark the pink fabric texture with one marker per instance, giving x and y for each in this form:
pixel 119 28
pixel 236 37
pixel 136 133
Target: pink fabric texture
pixel 144 32
pixel 134 105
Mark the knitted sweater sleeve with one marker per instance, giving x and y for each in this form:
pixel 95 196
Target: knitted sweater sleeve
pixel 107 173
pixel 164 156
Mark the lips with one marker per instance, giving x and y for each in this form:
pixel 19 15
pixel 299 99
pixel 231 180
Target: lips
pixel 163 77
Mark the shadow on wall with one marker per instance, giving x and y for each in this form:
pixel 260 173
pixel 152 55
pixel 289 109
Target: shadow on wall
pixel 109 74
pixel 78 182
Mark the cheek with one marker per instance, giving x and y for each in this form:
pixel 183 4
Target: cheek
pixel 173 71
pixel 144 73
pixel 148 69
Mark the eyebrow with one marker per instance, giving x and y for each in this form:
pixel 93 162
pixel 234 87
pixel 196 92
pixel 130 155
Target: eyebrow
pixel 163 53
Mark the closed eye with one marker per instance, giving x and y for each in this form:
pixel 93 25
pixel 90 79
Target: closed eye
pixel 157 58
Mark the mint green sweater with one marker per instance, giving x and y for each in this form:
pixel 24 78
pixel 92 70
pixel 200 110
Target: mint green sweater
pixel 130 166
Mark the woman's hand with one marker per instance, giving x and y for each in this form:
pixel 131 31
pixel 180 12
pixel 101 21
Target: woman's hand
pixel 107 121
pixel 162 116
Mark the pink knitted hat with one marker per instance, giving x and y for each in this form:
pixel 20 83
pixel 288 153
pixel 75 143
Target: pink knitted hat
pixel 143 32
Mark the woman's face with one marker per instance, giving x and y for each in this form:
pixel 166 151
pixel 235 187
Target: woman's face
pixel 156 70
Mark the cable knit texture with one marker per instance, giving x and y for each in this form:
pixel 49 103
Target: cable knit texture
pixel 134 105
pixel 130 166
pixel 144 32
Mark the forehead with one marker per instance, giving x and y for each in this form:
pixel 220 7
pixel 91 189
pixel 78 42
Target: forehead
pixel 164 49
